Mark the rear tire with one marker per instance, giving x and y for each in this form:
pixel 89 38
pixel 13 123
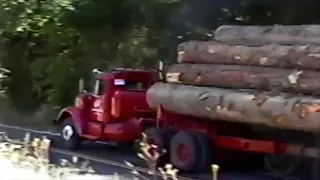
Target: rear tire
pixel 282 165
pixel 184 151
pixel 205 152
pixel 70 135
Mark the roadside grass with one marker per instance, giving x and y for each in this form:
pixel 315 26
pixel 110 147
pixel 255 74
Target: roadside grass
pixel 40 120
pixel 34 154
pixel 28 154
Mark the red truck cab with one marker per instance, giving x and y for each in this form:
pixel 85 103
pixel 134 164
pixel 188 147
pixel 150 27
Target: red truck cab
pixel 116 110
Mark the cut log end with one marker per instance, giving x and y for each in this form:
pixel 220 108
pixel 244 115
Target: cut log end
pixel 173 77
pixel 307 109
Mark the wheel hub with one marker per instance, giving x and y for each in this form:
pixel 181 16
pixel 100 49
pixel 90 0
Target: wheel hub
pixel 183 152
pixel 67 132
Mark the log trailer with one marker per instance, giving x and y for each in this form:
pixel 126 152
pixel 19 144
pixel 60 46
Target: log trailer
pixel 117 111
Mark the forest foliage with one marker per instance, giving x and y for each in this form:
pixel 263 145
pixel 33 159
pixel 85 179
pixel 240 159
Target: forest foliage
pixel 48 45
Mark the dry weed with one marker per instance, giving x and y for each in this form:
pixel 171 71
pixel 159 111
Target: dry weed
pixel 215 169
pixel 34 154
pixel 151 154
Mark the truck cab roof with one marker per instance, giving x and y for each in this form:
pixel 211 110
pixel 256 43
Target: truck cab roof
pixel 128 74
pixel 146 77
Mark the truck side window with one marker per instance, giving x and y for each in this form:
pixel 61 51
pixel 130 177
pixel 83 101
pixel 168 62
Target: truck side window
pixel 136 86
pixel 98 87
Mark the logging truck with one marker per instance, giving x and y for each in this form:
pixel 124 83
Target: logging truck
pixel 117 111
pixel 251 90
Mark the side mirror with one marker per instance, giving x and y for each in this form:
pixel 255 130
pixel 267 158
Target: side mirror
pixel 81 86
pixel 4 70
pixel 96 71
pixel 4 73
pixel 161 71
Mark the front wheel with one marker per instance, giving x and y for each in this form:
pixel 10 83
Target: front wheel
pixel 69 134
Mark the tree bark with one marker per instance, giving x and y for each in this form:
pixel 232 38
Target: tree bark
pixel 281 111
pixel 246 77
pixel 279 34
pixel 211 52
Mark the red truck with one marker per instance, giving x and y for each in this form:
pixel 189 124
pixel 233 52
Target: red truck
pixel 116 111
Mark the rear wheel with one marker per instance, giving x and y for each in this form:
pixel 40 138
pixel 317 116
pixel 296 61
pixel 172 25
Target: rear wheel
pixel 69 134
pixel 190 151
pixel 205 149
pixel 282 165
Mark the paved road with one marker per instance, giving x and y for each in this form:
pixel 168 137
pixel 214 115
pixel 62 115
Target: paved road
pixel 118 155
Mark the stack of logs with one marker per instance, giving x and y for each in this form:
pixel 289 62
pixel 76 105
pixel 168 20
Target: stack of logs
pixel 250 74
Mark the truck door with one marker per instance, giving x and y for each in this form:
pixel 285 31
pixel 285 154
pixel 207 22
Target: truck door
pixel 97 110
pixel 95 124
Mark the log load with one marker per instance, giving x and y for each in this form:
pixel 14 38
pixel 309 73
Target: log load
pixel 282 111
pixel 278 34
pixel 211 52
pixel 245 77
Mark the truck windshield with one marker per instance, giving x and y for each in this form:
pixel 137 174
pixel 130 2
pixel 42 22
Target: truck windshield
pixel 136 86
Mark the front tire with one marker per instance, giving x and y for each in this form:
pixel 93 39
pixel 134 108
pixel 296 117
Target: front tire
pixel 70 135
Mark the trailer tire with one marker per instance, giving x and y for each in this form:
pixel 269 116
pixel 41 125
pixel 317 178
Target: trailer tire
pixel 279 165
pixel 205 152
pixel 70 135
pixel 183 151
pixel 283 164
pixel 315 173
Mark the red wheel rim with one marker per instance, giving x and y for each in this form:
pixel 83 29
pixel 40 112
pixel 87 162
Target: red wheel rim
pixel 182 152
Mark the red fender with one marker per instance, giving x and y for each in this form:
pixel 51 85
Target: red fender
pixel 75 114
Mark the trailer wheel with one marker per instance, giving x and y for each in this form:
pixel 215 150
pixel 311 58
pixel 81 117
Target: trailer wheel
pixel 69 134
pixel 282 165
pixel 205 152
pixel 315 164
pixel 184 153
